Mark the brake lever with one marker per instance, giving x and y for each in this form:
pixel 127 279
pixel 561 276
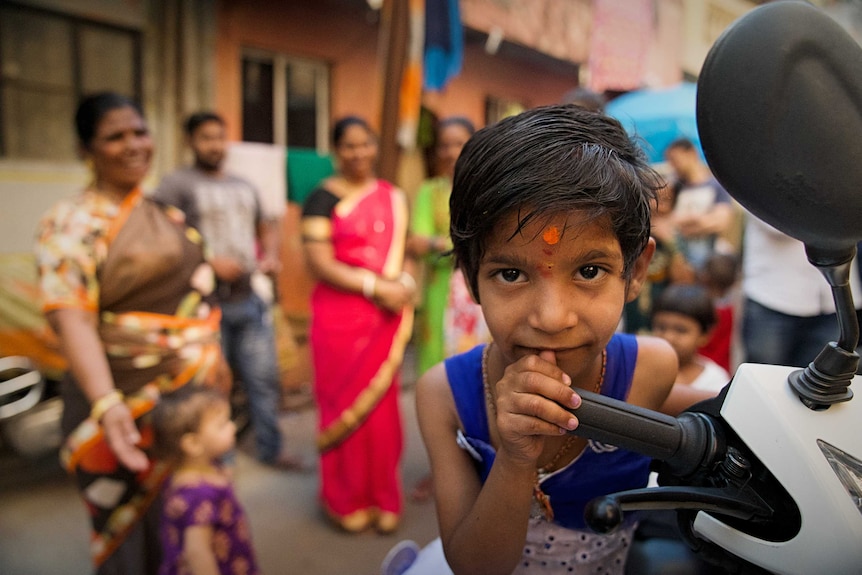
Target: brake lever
pixel 708 466
pixel 604 514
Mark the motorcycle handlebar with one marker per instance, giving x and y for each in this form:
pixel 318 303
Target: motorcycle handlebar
pixel 685 443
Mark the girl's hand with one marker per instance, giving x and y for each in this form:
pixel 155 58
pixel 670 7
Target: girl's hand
pixel 529 402
pixel 122 436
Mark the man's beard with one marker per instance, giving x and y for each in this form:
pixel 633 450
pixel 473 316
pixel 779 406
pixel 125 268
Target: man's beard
pixel 210 162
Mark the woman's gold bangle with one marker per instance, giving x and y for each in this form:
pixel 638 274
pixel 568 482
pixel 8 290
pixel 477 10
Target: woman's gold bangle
pixel 369 284
pixel 104 403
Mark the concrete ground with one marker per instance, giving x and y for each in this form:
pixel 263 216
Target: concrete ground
pixel 43 525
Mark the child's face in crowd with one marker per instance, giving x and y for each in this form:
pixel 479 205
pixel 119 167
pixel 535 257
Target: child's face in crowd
pixel 217 433
pixel 557 285
pixel 682 332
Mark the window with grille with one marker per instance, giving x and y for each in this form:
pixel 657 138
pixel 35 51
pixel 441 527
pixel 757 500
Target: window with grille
pixel 47 62
pixel 285 100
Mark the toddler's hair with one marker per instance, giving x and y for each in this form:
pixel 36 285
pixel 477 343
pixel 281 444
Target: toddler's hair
pixel 178 413
pixel 546 161
pixel 690 300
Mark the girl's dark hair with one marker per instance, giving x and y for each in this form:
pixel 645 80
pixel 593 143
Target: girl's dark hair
pixel 341 127
pixel 178 413
pixel 91 110
pixel 547 161
pixel 690 300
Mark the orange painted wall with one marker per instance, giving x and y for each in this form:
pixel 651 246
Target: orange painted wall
pixel 304 28
pixel 348 41
pixel 484 75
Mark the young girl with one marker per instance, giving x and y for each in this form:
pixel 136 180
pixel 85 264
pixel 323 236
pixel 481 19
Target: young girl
pixel 203 527
pixel 550 215
pixel 684 315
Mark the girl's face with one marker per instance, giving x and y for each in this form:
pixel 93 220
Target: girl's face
pixel 356 153
pixel 556 285
pixel 121 149
pixel 217 433
pixel 451 140
pixel 682 332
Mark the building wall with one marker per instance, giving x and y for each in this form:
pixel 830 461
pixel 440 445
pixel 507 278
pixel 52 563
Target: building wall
pixel 664 62
pixel 347 36
pixel 499 76
pixel 191 59
pixel 703 23
pixel 347 39
pixel 557 28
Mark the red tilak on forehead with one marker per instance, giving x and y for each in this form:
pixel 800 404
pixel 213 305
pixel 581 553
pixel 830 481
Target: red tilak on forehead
pixel 551 235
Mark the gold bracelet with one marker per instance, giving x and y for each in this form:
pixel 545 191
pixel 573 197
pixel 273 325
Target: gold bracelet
pixel 407 281
pixel 104 403
pixel 369 285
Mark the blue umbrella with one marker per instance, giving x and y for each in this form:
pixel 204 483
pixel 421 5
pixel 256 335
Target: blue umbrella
pixel 657 117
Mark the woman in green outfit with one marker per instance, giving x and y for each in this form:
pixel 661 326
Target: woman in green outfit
pixel 429 241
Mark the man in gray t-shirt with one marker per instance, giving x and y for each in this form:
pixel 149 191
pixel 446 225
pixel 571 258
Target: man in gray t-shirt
pixel 226 210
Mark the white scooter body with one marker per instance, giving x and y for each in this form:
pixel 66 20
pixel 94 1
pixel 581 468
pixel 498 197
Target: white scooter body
pixel 762 408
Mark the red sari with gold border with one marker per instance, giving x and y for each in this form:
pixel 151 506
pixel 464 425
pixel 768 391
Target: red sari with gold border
pixel 357 351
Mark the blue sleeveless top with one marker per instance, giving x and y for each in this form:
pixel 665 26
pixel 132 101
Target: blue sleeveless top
pixel 600 469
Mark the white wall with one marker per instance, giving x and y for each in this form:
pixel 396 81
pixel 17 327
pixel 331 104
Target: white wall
pixel 27 190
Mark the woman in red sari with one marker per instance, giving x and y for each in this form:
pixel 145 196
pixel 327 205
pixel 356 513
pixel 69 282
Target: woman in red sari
pixel 354 229
pixel 126 288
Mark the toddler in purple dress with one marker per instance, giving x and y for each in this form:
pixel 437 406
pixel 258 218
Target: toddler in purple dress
pixel 203 527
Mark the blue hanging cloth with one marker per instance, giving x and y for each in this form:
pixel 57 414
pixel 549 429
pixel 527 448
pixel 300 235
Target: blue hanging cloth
pixel 444 43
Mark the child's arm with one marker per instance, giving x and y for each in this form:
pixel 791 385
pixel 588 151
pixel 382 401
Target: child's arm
pixel 683 396
pixel 655 372
pixel 198 550
pixel 483 527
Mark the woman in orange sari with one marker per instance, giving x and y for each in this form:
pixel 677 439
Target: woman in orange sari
pixel 125 287
pixel 354 229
